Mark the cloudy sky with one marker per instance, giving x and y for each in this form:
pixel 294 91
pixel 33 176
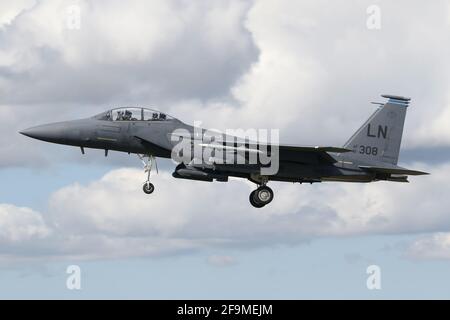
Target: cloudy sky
pixel 308 68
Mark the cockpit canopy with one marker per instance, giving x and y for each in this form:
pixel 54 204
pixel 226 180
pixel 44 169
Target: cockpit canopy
pixel 133 114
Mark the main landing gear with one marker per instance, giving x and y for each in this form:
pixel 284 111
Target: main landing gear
pixel 261 196
pixel 148 161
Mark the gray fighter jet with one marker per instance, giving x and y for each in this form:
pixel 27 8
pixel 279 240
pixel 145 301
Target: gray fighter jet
pixel 371 154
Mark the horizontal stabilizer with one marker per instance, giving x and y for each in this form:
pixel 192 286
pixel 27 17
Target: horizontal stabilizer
pixel 394 170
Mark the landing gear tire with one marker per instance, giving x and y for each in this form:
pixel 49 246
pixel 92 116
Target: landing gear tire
pixel 261 197
pixel 148 187
pixel 253 200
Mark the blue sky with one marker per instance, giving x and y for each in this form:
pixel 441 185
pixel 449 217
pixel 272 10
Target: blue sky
pixel 292 66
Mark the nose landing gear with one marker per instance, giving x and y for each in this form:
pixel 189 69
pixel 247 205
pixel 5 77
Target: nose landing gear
pixel 148 161
pixel 148 187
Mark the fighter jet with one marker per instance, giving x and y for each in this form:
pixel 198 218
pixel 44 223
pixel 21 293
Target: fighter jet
pixel 371 154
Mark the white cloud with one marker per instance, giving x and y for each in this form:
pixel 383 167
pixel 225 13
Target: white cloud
pixel 115 205
pixel 112 217
pixel 10 10
pixel 318 70
pixel 434 246
pixel 139 51
pixel 437 132
pixel 21 224
pixel 220 213
pixel 233 64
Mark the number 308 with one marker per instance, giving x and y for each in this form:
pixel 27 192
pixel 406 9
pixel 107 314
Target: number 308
pixel 368 150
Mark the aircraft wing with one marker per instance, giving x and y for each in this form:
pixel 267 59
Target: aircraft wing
pixel 291 153
pixel 305 154
pixel 394 170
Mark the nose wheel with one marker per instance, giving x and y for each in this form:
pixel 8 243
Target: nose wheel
pixel 261 196
pixel 148 161
pixel 148 187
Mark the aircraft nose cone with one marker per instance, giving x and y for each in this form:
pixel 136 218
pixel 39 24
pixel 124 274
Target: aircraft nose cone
pixel 48 132
pixel 30 132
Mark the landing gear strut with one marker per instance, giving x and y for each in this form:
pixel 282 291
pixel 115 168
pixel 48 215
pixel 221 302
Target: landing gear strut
pixel 262 196
pixel 148 161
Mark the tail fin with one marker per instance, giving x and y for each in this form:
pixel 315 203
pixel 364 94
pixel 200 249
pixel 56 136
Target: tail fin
pixel 379 138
